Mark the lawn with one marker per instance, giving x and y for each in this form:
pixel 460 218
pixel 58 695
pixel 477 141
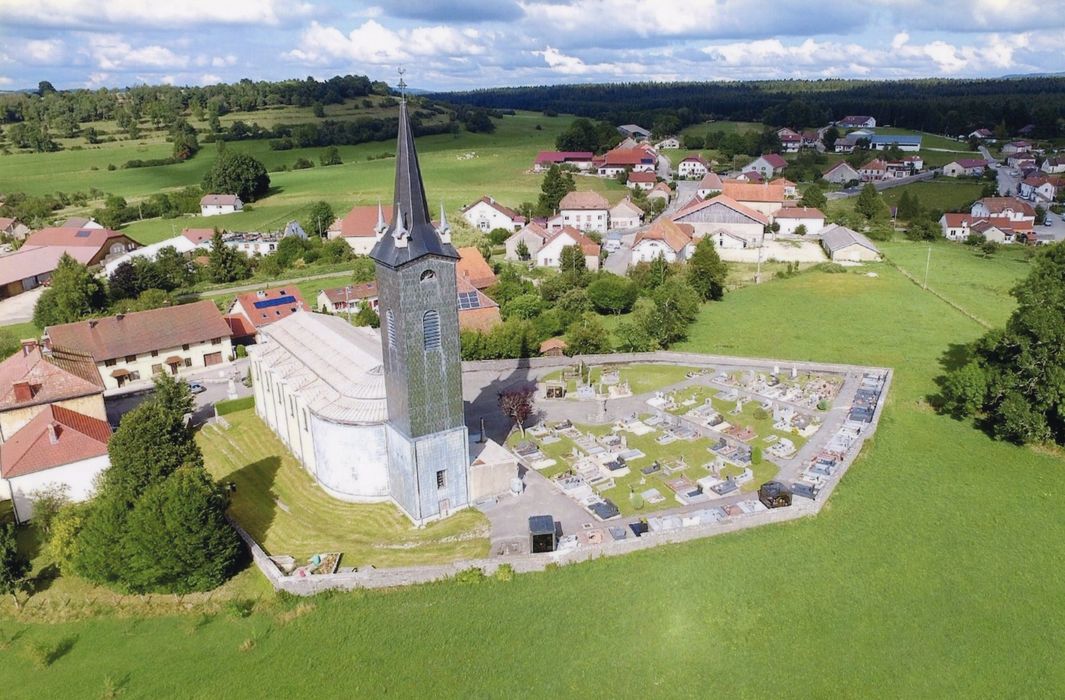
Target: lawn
pixel 940 194
pixel 642 378
pixel 934 571
pixel 284 509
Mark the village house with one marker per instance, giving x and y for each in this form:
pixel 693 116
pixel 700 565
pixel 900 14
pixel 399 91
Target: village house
pixel 487 214
pixel 965 167
pixel 360 227
pixel 856 122
pixel 265 306
pixel 791 218
pixel 80 222
pixel 477 311
pixel 620 160
pixel 199 237
pixel 665 239
pixel 252 243
pixel 692 166
pixel 625 215
pixel 641 180
pixel 1014 147
pixel 981 134
pixel 473 267
pixel 1051 166
pixel 873 171
pixel 791 190
pixel 131 347
pixel 723 214
pixel 750 176
pixel 790 140
pixel 841 173
pixel 958 226
pixel 1024 162
pixel 215 204
pixel 1042 188
pixel 1008 207
pixel 765 198
pixel 634 131
pixel 767 166
pixel 553 347
pixel 550 255
pixel 848 143
pixel 13 228
pixel 103 244
pixel 348 299
pixel 660 191
pixel 904 142
pixel 533 235
pixel 31 266
pixel 841 244
pixel 586 211
pixel 671 143
pixel 582 160
pixel 710 185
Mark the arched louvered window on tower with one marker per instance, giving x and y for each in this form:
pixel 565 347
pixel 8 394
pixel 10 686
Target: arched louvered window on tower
pixel 431 330
pixel 390 325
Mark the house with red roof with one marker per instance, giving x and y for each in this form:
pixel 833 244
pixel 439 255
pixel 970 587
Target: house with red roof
pixel 199 237
pixel 550 255
pixel 641 180
pixel 13 228
pixel 215 204
pixel 982 134
pixel 692 166
pixel 857 121
pixel 767 166
pixel 58 446
pixel 348 299
pixel 103 243
pixel 486 214
pixel 133 347
pixel 33 379
pixel 477 311
pixel 1053 165
pixel 711 184
pixel 790 140
pixel 661 191
pixel 31 266
pixel 1042 188
pixel 1010 207
pixel 665 239
pixel 361 226
pixel 765 197
pixel 620 160
pixel 958 226
pixel 473 267
pixel 582 160
pixel 265 306
pixel 1015 147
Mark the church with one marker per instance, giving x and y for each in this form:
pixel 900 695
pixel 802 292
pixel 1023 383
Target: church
pixel 378 416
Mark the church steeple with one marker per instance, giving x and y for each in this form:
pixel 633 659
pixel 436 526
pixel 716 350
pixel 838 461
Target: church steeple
pixel 411 234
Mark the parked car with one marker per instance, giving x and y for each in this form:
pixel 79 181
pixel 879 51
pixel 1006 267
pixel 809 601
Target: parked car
pixel 197 387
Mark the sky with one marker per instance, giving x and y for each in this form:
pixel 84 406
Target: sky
pixel 465 44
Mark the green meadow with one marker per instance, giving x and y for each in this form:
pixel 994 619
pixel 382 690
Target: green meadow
pixel 934 570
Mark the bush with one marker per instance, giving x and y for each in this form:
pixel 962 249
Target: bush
pixel 830 267
pixel 504 572
pixel 224 408
pixel 756 454
pixel 760 413
pixel 241 352
pixel 470 575
pixel 822 405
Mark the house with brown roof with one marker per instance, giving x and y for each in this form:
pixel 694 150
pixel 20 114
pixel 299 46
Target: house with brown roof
pixel 215 204
pixel 965 167
pixel 553 347
pixel 1053 165
pixel 477 311
pixel 661 191
pixel 762 197
pixel 361 226
pixel 133 347
pixel 533 235
pixel 199 237
pixel 620 160
pixel 625 215
pixel 487 214
pixel 1009 207
pixel 710 185
pixel 873 171
pixel 665 239
pixel 585 211
pixel 641 180
pixel 473 267
pixel 723 214
pixel 348 299
pixel 582 160
pixel 13 228
pixel 958 226
pixel 692 166
pixel 31 380
pixel 57 447
pixel 31 266
pixel 550 255
pixel 767 165
pixel 857 121
pixel 102 242
pixel 265 306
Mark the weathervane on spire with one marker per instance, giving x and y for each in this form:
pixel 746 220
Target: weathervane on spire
pixel 402 85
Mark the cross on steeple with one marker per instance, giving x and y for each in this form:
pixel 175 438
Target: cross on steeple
pixel 402 85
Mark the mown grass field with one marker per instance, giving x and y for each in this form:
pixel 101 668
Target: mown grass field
pixel 934 570
pixel 458 169
pixel 940 194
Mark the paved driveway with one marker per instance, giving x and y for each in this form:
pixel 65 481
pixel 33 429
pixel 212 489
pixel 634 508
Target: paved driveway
pixel 217 390
pixel 19 309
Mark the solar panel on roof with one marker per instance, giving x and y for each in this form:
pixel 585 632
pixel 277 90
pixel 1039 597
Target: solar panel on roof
pixel 267 303
pixel 469 300
pixel 83 234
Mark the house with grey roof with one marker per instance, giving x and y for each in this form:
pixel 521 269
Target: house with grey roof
pixel 842 244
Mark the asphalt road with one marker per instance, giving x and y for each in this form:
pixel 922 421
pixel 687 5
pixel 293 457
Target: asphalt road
pixel 217 390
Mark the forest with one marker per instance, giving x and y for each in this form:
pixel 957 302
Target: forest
pixel 949 107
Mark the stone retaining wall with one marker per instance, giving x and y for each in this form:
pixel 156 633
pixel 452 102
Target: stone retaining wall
pixel 405 576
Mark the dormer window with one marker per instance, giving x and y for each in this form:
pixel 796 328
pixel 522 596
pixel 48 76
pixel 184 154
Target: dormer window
pixel 427 276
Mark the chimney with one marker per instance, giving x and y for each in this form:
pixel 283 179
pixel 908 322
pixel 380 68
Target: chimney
pixel 119 317
pixel 23 391
pixel 29 346
pixel 53 433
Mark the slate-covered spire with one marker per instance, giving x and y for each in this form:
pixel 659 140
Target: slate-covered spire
pixel 411 233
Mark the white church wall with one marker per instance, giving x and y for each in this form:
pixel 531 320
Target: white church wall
pixel 351 460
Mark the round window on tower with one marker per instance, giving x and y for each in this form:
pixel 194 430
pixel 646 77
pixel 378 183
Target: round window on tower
pixel 428 275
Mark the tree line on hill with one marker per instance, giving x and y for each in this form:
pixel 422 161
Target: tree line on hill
pixel 952 107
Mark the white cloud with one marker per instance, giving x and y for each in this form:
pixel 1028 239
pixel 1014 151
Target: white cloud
pixel 224 61
pixel 97 79
pixel 42 51
pixel 4 80
pixel 373 43
pixel 94 13
pixel 112 53
pixel 210 79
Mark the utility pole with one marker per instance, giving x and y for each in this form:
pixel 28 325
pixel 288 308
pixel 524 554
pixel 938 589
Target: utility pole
pixel 758 270
pixel 927 264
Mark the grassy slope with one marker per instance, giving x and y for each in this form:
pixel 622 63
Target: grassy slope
pixel 499 168
pixel 933 565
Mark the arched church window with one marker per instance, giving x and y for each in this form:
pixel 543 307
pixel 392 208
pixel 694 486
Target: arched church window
pixel 431 330
pixel 390 323
pixel 427 276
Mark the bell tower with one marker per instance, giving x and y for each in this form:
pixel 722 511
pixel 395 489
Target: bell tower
pixel 417 292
